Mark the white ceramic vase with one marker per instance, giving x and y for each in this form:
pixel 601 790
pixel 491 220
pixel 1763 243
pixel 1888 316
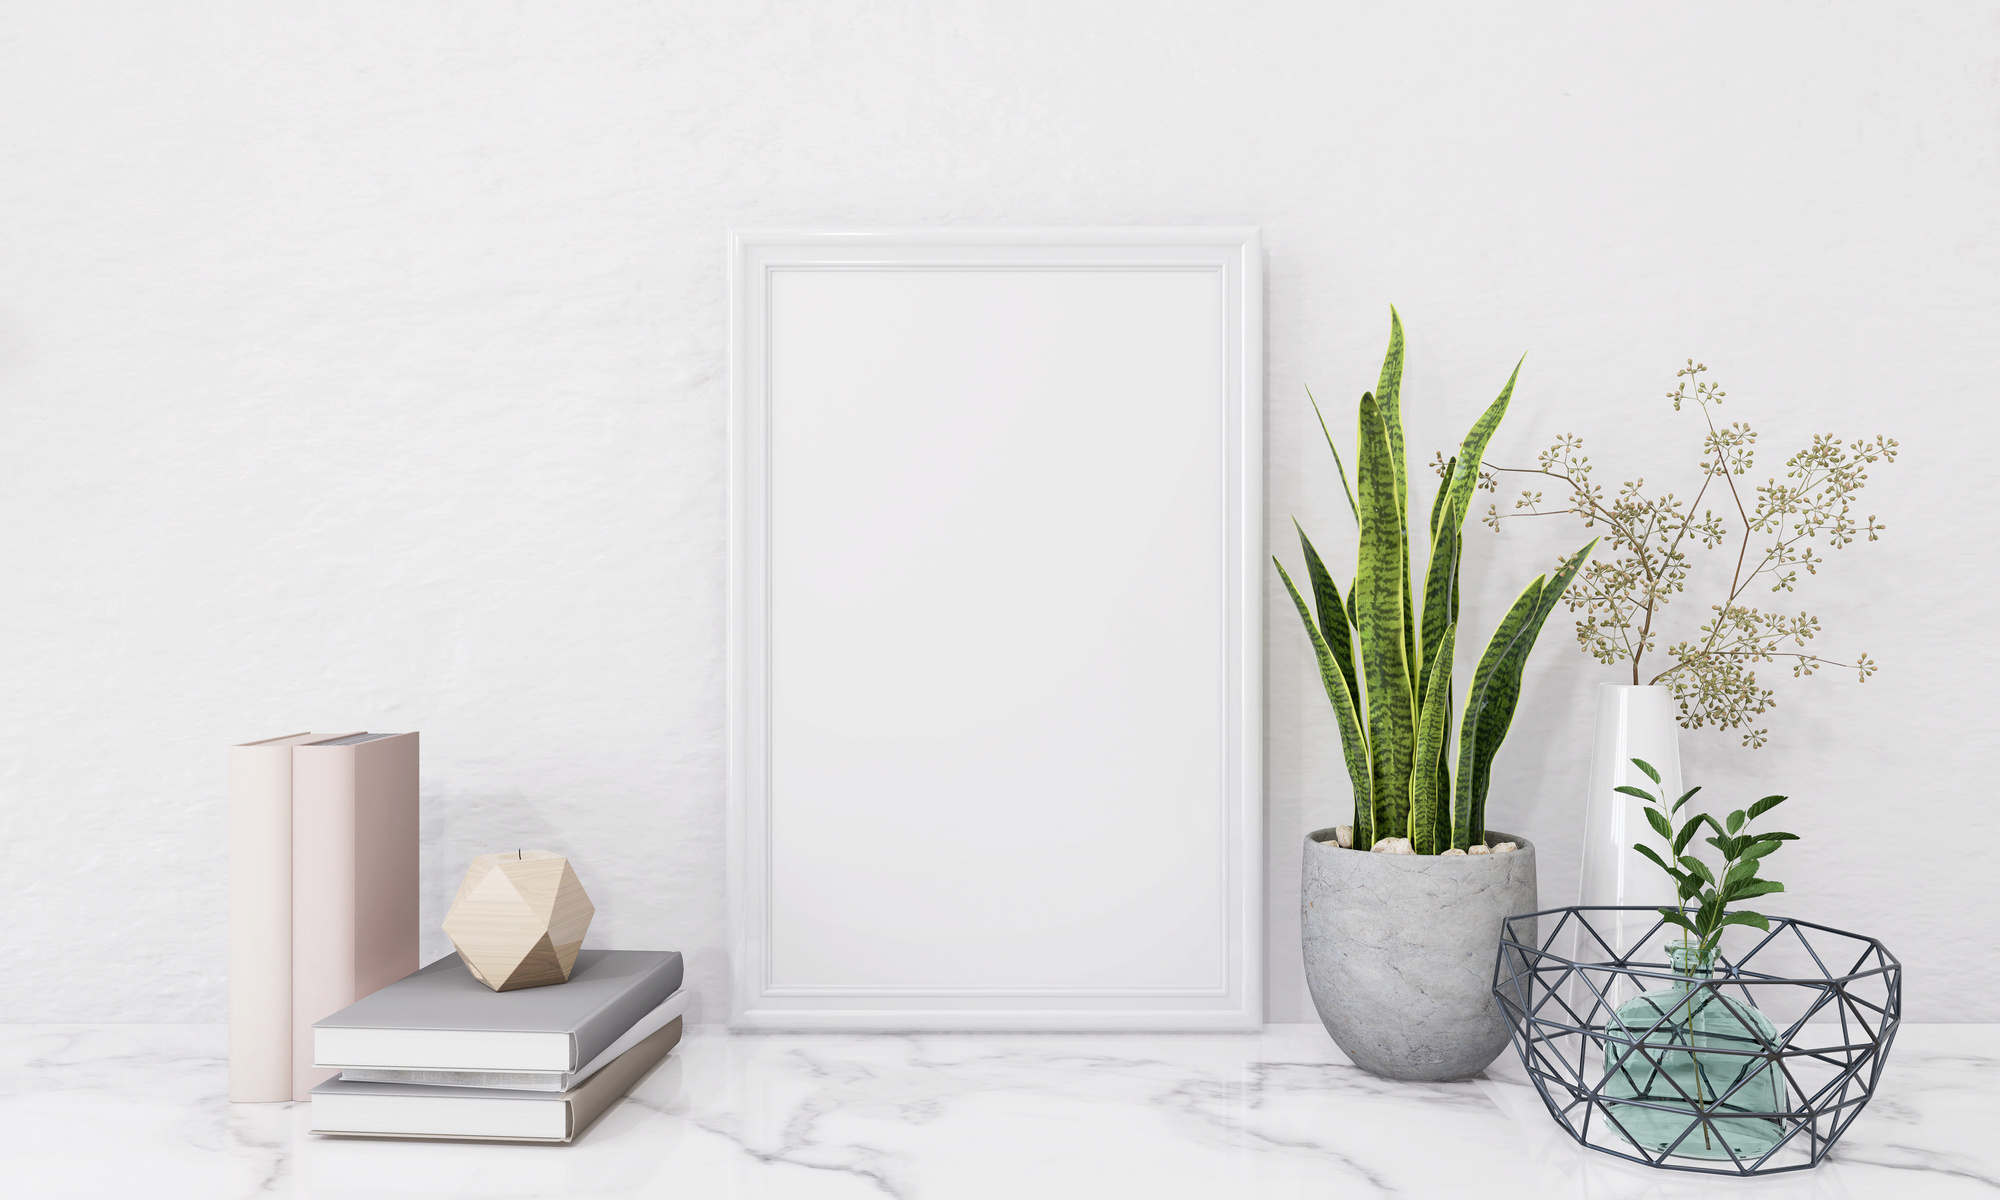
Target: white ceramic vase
pixel 1632 722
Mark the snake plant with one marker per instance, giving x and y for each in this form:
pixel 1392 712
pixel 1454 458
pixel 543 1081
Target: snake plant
pixel 1387 665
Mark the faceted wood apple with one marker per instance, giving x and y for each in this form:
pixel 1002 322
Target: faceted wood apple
pixel 519 919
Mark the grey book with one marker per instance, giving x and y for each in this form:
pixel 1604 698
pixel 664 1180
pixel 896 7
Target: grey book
pixel 345 1108
pixel 442 1019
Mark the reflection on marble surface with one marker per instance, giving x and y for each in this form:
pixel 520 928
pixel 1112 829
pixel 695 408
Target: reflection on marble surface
pixel 137 1110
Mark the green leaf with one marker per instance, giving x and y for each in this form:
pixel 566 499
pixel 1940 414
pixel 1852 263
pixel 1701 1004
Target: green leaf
pixel 1333 624
pixel 1697 867
pixel 1673 917
pixel 1757 887
pixel 1649 852
pixel 1762 849
pixel 1629 790
pixel 1382 601
pixel 1337 464
pixel 1440 612
pixel 1685 797
pixel 1353 734
pixel 1747 918
pixel 1777 837
pixel 1647 767
pixel 1437 501
pixel 1472 450
pixel 1440 584
pixel 1389 398
pixel 1431 729
pixel 1496 689
pixel 1765 805
pixel 1686 835
pixel 1659 824
pixel 1490 686
pixel 1389 404
pixel 1442 767
pixel 1736 820
pixel 1740 873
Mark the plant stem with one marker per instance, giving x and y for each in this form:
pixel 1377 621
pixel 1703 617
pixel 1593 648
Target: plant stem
pixel 1680 903
pixel 1722 464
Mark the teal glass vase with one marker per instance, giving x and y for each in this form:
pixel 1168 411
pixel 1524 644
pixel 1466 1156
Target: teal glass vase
pixel 1697 1070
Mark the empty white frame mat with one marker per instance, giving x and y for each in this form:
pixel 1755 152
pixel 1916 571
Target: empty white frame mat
pixel 995 640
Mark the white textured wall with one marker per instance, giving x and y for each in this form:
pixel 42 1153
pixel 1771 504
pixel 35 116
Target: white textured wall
pixel 362 365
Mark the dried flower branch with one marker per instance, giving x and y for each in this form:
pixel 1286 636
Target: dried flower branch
pixel 1650 536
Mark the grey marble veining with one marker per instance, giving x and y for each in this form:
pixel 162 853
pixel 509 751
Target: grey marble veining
pixel 137 1110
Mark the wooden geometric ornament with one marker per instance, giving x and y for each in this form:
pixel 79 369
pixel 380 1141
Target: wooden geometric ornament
pixel 519 919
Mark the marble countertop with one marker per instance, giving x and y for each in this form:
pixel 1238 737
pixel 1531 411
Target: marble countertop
pixel 138 1110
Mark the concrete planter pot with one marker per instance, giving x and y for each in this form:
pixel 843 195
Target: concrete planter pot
pixel 1400 948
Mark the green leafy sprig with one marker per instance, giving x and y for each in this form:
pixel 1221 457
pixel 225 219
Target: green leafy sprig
pixel 1711 892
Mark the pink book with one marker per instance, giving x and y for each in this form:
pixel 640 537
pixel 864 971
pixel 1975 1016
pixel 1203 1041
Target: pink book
pixel 354 879
pixel 260 918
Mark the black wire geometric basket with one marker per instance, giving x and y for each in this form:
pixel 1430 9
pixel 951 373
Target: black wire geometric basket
pixel 1753 1066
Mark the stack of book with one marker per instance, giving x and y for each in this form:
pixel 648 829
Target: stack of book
pixel 439 1055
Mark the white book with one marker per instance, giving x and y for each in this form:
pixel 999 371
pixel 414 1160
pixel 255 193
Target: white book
pixel 345 1108
pixel 673 1007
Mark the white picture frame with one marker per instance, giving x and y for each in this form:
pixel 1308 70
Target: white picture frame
pixel 995 632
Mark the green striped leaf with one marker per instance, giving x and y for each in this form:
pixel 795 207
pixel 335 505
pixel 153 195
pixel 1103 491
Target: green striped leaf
pixel 1338 466
pixel 1437 501
pixel 1388 399
pixel 1496 690
pixel 1442 836
pixel 1333 624
pixel 1353 737
pixel 1472 451
pixel 1440 584
pixel 1411 658
pixel 1381 591
pixel 1488 679
pixel 1425 799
